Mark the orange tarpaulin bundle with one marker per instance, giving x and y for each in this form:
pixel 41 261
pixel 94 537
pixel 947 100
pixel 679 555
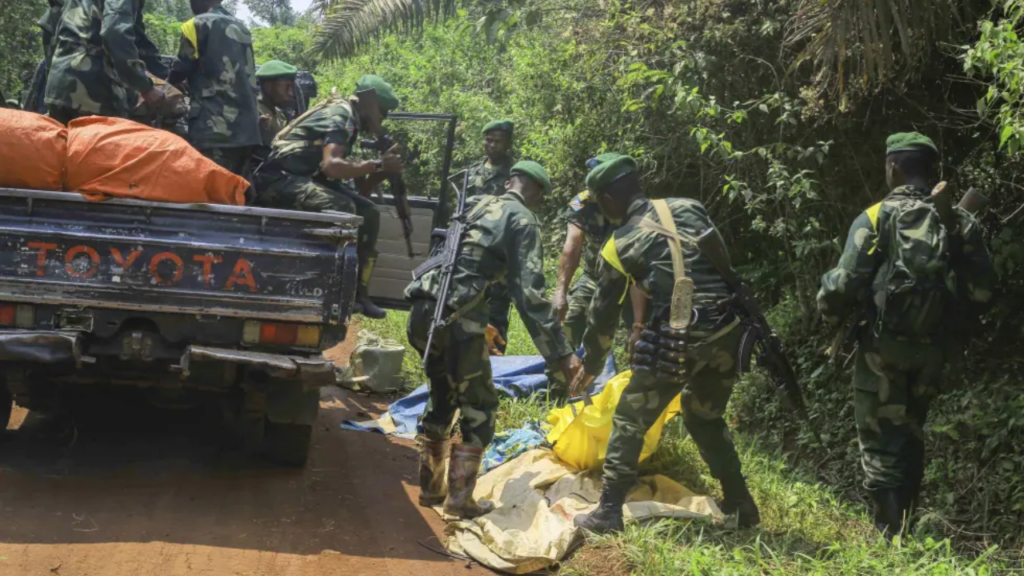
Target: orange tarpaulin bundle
pixel 113 157
pixel 33 149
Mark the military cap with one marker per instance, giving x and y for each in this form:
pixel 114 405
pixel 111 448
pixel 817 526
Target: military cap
pixel 534 171
pixel 609 168
pixel 596 160
pixel 905 141
pixel 503 125
pixel 276 70
pixel 385 94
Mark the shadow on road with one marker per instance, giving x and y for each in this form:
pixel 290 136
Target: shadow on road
pixel 124 474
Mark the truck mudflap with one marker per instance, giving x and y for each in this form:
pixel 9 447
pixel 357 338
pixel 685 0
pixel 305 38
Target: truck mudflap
pixel 40 347
pixel 310 372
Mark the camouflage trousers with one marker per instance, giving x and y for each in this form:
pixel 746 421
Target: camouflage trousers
pixel 236 160
pixel 705 389
pixel 580 295
pixel 290 192
pixel 459 370
pixel 893 384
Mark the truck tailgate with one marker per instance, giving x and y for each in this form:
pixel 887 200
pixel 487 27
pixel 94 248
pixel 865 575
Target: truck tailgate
pixel 59 248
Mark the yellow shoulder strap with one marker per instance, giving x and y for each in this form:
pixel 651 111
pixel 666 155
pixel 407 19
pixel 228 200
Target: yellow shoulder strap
pixel 188 29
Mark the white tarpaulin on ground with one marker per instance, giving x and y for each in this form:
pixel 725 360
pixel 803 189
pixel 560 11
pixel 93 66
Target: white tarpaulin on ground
pixel 536 498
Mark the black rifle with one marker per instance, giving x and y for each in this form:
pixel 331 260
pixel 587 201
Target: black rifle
pixel 382 144
pixel 449 252
pixel 760 334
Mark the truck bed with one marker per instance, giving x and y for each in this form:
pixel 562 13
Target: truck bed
pixel 59 248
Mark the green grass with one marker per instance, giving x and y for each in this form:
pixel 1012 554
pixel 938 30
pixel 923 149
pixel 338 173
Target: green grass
pixel 805 529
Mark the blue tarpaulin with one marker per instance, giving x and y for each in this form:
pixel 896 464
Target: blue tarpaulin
pixel 515 376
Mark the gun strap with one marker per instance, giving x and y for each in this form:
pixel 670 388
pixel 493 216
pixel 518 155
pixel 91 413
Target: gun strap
pixel 683 287
pixel 287 130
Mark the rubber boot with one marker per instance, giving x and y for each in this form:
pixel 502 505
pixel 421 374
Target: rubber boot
pixel 462 472
pixel 888 511
pixel 433 471
pixel 364 305
pixel 737 500
pixel 608 516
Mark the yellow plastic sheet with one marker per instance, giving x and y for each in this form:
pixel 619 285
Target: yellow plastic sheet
pixel 580 433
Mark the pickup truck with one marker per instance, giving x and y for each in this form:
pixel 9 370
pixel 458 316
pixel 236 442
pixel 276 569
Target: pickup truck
pixel 190 302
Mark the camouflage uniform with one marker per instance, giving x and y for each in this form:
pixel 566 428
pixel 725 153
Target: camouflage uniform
pixel 502 243
pixel 216 58
pixel 291 179
pixel 100 57
pixel 487 179
pixel 48 27
pixel 584 213
pixel 636 254
pixel 894 378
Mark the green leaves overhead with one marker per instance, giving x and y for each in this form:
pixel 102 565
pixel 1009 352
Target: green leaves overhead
pixel 345 25
pixel 865 43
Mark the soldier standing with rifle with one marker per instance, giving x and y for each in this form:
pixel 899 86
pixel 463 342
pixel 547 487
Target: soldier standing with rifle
pixel 689 344
pixel 309 160
pixel 910 263
pixel 498 237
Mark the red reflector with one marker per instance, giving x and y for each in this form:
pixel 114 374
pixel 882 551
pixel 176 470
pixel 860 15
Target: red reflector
pixel 7 314
pixel 279 334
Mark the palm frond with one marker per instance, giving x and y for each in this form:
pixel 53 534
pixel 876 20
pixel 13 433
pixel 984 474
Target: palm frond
pixel 865 42
pixel 345 25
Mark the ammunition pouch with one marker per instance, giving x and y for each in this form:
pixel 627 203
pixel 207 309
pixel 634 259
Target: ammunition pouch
pixel 665 350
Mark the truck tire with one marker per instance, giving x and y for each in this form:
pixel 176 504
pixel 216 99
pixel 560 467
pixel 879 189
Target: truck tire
pixel 287 444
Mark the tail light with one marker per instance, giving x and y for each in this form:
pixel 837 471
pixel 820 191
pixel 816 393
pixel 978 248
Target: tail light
pixel 20 315
pixel 280 334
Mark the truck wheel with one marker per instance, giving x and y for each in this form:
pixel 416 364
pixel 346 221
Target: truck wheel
pixel 287 444
pixel 6 404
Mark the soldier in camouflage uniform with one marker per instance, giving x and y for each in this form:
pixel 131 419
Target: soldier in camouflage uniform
pixel 215 58
pixel 502 242
pixel 48 28
pixel 698 362
pixel 896 375
pixel 487 178
pixel 587 232
pixel 100 57
pixel 277 90
pixel 309 163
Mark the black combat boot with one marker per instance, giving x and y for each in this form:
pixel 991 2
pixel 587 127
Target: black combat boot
pixel 364 305
pixel 888 516
pixel 433 471
pixel 737 500
pixel 608 516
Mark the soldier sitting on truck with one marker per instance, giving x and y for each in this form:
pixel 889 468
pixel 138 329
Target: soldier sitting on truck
pixel 277 91
pixel 309 160
pixel 216 59
pixel 100 57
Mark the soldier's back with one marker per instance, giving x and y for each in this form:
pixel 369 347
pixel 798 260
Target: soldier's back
pixel 223 86
pixel 80 75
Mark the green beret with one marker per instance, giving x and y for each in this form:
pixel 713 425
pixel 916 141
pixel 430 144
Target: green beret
pixel 534 171
pixel 610 168
pixel 385 94
pixel 276 70
pixel 504 125
pixel 904 141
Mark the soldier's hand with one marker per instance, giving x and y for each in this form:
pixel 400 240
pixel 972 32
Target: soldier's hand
pixel 154 98
pixel 634 337
pixel 580 383
pixel 393 163
pixel 492 335
pixel 560 305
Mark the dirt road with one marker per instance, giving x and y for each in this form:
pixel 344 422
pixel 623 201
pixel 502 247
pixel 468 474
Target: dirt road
pixel 150 492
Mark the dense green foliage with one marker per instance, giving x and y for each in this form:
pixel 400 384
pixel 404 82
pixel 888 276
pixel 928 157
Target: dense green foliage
pixel 709 96
pixel 22 43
